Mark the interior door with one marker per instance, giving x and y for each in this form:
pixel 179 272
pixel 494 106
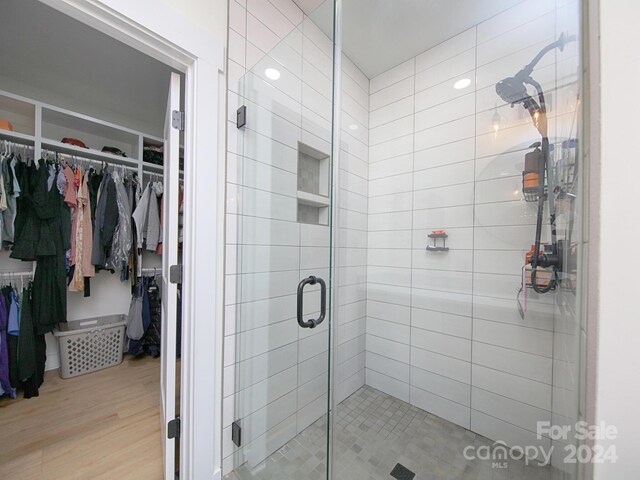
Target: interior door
pixel 169 289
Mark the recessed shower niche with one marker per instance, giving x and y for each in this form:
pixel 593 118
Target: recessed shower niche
pixel 313 185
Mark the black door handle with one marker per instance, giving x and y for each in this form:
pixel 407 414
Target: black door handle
pixel 312 322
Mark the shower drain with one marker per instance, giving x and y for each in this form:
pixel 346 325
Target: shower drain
pixel 402 473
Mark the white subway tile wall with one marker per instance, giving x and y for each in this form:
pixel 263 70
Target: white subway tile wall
pixel 443 331
pixel 438 330
pixel 275 373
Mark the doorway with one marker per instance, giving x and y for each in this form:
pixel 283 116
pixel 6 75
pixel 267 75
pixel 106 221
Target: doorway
pixel 73 81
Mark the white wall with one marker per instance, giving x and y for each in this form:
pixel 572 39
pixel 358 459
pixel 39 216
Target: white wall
pixel 443 331
pixel 208 15
pixel 275 372
pixel 618 391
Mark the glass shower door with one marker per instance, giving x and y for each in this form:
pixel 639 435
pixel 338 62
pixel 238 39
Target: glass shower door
pixel 278 270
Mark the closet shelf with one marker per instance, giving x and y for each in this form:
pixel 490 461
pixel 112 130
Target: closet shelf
pixel 50 122
pixel 313 200
pixel 152 166
pixel 9 135
pixel 87 153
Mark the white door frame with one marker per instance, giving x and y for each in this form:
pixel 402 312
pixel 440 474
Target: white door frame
pixel 201 58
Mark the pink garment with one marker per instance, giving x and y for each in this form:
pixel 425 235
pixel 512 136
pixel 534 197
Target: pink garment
pixel 81 238
pixel 71 190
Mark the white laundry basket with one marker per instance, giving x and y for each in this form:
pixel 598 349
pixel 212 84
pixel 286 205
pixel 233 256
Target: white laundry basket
pixel 90 344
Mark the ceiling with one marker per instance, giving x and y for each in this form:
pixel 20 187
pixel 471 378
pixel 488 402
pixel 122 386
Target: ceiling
pixel 51 57
pixel 380 34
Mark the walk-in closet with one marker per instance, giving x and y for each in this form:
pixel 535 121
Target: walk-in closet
pixel 83 259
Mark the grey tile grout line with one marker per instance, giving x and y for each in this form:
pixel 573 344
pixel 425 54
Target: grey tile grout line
pixel 413 180
pixel 473 232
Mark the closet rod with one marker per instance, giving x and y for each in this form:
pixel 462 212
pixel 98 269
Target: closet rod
pixel 15 274
pixel 13 143
pixel 112 162
pixel 10 144
pixel 155 270
pixel 76 158
pixel 152 174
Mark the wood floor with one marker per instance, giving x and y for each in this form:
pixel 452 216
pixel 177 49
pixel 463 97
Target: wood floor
pixel 104 425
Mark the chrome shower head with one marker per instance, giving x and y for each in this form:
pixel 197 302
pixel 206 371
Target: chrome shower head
pixel 512 90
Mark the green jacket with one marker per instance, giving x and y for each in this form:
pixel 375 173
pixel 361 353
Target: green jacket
pixel 43 233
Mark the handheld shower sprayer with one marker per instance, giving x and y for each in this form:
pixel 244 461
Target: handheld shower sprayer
pixel 513 90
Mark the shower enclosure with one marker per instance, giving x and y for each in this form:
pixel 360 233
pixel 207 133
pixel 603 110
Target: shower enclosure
pixel 404 260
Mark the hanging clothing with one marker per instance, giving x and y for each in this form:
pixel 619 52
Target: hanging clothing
pixel 180 219
pixel 72 222
pixel 8 214
pixel 32 353
pixel 53 224
pixel 145 312
pixel 82 238
pixel 147 217
pixel 26 224
pixel 69 193
pixel 13 332
pixel 95 180
pixel 3 191
pixel 16 185
pixel 13 327
pixel 138 204
pixel 43 233
pixel 5 382
pixel 54 170
pixel 132 186
pixel 151 339
pixel 24 228
pixel 136 347
pixel 70 188
pixel 121 242
pixel 135 327
pixel 158 249
pixel 105 222
pixel 140 216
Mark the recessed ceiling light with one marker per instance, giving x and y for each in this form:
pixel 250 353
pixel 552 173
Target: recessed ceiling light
pixel 462 83
pixel 353 126
pixel 272 73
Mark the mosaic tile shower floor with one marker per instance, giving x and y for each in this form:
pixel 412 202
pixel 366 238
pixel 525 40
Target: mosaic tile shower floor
pixel 374 432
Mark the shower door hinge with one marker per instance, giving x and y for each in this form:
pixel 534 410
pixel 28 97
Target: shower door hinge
pixel 177 120
pixel 241 117
pixel 173 428
pixel 175 274
pixel 236 433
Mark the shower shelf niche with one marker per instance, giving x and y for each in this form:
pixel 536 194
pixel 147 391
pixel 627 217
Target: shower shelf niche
pixel 313 186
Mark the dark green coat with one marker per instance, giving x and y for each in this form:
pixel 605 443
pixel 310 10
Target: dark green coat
pixel 44 234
